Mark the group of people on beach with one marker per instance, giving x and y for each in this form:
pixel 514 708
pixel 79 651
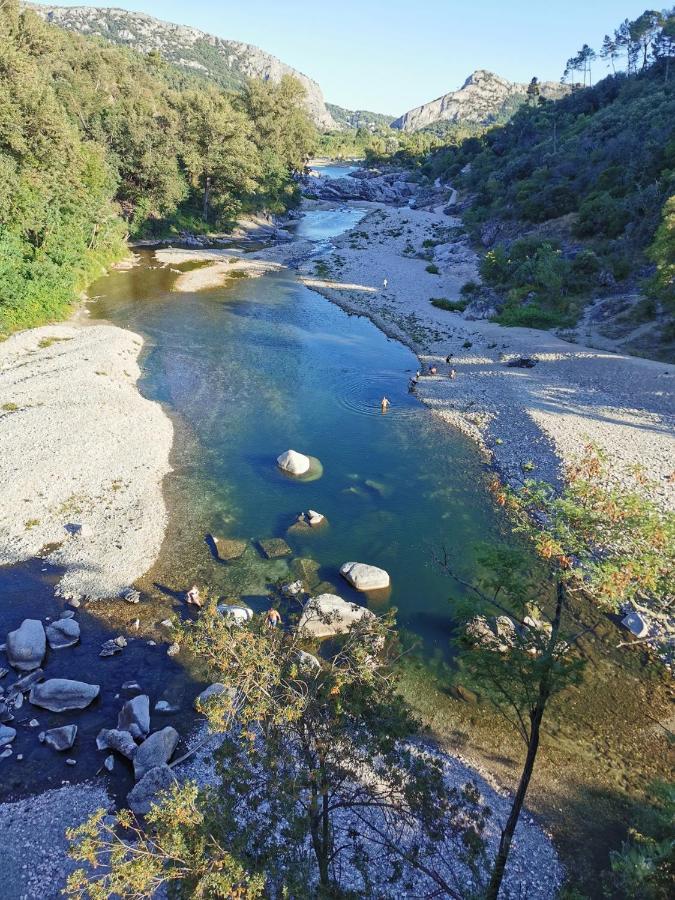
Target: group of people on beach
pixel 430 371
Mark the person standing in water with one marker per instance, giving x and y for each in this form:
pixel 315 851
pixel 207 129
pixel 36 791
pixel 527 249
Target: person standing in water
pixel 384 284
pixel 272 618
pixel 384 404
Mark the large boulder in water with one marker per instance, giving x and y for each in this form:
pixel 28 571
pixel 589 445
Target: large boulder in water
pixel 61 738
pixel 61 694
pixel 134 716
pixel 294 463
pixel 328 615
pixel 27 645
pixel 156 750
pixel 365 578
pixel 63 633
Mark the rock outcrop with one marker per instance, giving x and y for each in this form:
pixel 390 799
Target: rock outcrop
pixel 371 185
pixel 484 98
pixel 228 63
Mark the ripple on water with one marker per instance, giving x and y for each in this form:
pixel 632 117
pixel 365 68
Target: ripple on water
pixel 362 393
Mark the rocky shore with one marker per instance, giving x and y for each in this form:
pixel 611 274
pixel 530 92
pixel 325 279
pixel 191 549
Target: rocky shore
pixel 82 458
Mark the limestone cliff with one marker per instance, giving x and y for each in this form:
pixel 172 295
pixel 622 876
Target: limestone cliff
pixel 483 98
pixel 227 62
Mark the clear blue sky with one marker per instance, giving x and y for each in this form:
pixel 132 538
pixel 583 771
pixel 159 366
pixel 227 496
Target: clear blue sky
pixel 391 55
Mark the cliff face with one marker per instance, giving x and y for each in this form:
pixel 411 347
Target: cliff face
pixel 227 62
pixel 482 99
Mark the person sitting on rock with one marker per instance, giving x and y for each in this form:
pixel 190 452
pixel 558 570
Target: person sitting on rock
pixel 193 597
pixel 272 618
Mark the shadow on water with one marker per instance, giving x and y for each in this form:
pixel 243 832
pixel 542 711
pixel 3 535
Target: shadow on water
pixel 27 591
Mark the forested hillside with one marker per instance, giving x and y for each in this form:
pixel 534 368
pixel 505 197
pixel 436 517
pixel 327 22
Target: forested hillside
pixel 97 142
pixel 573 200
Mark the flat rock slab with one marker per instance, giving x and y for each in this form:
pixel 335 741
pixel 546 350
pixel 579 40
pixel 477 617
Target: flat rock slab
pixel 61 694
pixel 274 548
pixel 327 615
pixel 363 577
pixel 155 750
pixel 64 633
pixel 230 548
pixel 307 571
pixel 27 645
pixel 144 794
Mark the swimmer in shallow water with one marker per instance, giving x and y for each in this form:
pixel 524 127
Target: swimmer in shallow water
pixel 384 404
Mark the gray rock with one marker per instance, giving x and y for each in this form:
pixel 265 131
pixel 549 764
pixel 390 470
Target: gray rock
pixel 144 794
pixel 131 595
pixel 25 683
pixel 636 623
pixel 62 694
pixel 238 614
pixel 328 615
pixel 7 735
pixel 27 645
pixel 364 577
pixel 134 716
pixel 63 633
pixel 155 750
pixel 61 738
pixel 213 690
pixel 109 762
pixel 114 739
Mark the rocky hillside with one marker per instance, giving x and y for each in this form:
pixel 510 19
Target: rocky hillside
pixel 227 62
pixel 483 99
pixel 359 118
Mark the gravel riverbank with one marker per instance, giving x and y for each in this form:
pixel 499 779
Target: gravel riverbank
pixel 82 457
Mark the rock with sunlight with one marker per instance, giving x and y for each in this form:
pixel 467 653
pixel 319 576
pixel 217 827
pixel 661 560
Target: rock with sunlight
pixel 27 645
pixel 61 694
pixel 363 577
pixel 327 615
pixel 294 463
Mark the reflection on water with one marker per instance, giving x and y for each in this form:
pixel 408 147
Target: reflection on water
pixel 322 224
pixel 333 170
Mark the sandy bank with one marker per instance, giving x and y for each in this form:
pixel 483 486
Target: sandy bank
pixel 545 415
pixel 222 266
pixel 82 457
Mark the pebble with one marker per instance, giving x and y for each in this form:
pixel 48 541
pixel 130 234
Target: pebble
pixel 71 762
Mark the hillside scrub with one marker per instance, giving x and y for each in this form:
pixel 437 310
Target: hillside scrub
pixel 99 142
pixel 599 166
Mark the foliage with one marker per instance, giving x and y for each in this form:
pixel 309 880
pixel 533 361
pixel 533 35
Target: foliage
pixel 98 141
pixel 662 253
pixel 318 774
pixel 645 865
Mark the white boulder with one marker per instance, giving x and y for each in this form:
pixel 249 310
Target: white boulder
pixel 636 623
pixel 294 463
pixel 363 577
pixel 238 614
pixel 328 615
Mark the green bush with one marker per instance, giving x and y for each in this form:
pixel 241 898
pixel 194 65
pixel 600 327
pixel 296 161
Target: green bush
pixel 450 305
pixel 601 214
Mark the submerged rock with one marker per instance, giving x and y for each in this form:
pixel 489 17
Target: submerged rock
pixel 363 577
pixel 62 694
pixel 294 463
pixel 229 549
pixel 63 633
pixel 274 548
pixel 155 750
pixel 134 716
pixel 144 794
pixel 27 645
pixel 25 684
pixel 61 738
pixel 328 615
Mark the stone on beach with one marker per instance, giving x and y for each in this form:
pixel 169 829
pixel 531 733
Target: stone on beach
pixel 155 750
pixel 363 577
pixel 294 463
pixel 328 615
pixel 144 794
pixel 62 694
pixel 134 716
pixel 27 645
pixel 61 738
pixel 63 633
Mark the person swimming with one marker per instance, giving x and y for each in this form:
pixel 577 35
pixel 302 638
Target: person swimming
pixel 384 404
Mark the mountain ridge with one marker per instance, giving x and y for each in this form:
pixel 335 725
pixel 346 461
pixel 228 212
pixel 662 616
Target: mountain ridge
pixel 483 99
pixel 228 62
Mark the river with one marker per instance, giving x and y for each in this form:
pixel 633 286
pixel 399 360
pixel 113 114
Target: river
pixel 247 371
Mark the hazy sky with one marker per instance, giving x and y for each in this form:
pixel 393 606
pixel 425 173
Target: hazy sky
pixel 391 55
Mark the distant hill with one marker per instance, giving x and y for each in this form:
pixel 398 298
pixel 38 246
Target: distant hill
pixel 483 99
pixel 226 62
pixel 359 118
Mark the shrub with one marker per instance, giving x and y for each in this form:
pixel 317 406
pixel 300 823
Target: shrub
pixel 432 268
pixel 601 214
